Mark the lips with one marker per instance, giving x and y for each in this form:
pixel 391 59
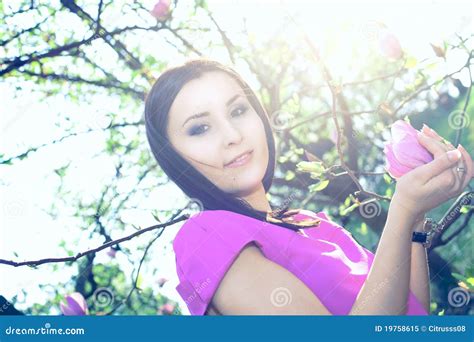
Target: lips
pixel 241 158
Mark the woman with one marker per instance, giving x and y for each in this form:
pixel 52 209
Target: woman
pixel 211 136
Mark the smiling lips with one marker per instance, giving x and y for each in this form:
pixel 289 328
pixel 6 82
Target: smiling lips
pixel 240 160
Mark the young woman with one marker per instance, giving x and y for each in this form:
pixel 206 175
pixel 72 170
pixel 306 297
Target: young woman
pixel 212 137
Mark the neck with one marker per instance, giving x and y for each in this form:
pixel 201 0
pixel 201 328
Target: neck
pixel 258 199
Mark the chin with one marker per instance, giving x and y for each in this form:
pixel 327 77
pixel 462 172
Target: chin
pixel 246 182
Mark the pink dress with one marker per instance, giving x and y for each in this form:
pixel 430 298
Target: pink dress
pixel 325 257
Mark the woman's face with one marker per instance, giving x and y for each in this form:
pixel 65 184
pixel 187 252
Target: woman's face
pixel 211 122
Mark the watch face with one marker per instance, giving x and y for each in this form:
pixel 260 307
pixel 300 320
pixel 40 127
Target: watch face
pixel 419 237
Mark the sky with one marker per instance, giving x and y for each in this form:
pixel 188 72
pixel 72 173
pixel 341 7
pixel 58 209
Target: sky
pixel 28 188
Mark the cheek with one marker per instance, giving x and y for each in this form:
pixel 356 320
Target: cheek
pixel 202 154
pixel 259 141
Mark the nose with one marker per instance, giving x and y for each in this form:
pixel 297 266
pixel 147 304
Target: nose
pixel 231 133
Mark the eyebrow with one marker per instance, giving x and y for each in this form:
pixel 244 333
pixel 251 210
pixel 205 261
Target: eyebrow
pixel 199 115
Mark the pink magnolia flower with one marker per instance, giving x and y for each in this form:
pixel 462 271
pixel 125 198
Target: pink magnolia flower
pixel 76 305
pixel 161 10
pixel 161 281
pixel 166 309
pixel 389 45
pixel 111 252
pixel 404 153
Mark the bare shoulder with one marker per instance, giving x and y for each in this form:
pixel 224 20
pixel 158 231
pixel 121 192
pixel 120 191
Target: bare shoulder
pixel 254 285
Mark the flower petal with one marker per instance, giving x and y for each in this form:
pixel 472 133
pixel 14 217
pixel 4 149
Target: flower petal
pixel 393 166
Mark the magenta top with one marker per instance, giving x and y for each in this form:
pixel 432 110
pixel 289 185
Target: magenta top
pixel 325 257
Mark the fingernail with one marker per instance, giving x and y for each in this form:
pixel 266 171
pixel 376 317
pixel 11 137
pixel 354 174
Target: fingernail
pixel 454 155
pixel 461 147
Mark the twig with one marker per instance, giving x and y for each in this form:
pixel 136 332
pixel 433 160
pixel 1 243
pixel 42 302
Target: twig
pixel 95 250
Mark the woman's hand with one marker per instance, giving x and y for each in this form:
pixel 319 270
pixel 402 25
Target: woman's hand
pixel 428 186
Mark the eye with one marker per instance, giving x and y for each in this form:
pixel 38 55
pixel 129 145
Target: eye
pixel 240 110
pixel 197 130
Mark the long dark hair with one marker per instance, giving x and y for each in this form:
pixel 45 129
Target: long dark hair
pixel 194 184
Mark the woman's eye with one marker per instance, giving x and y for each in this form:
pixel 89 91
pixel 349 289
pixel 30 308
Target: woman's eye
pixel 197 130
pixel 200 129
pixel 239 110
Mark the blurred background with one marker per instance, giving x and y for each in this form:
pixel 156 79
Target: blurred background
pixel 76 170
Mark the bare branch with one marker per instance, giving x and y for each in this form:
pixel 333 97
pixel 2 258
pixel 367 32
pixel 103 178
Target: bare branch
pixel 94 250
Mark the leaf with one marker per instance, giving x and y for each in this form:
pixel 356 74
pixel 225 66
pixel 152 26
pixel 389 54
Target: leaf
pixel 289 175
pixel 411 62
pixel 315 167
pixel 311 157
pixel 156 217
pixel 438 50
pixel 470 281
pixel 387 178
pixel 349 209
pixel 319 186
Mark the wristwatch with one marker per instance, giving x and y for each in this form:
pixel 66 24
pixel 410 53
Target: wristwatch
pixel 425 237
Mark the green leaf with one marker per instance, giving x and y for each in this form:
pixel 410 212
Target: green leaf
pixel 289 175
pixel 349 209
pixel 319 186
pixel 315 167
pixel 411 62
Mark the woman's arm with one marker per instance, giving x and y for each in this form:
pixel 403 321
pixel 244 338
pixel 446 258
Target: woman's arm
pixel 385 292
pixel 419 275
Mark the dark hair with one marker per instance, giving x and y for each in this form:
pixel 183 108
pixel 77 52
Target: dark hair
pixel 194 184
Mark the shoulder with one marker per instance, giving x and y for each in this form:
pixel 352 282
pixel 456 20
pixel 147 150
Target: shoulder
pixel 221 224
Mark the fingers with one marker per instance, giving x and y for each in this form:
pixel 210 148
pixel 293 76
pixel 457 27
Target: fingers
pixel 438 147
pixel 432 133
pixel 434 146
pixel 437 166
pixel 468 165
